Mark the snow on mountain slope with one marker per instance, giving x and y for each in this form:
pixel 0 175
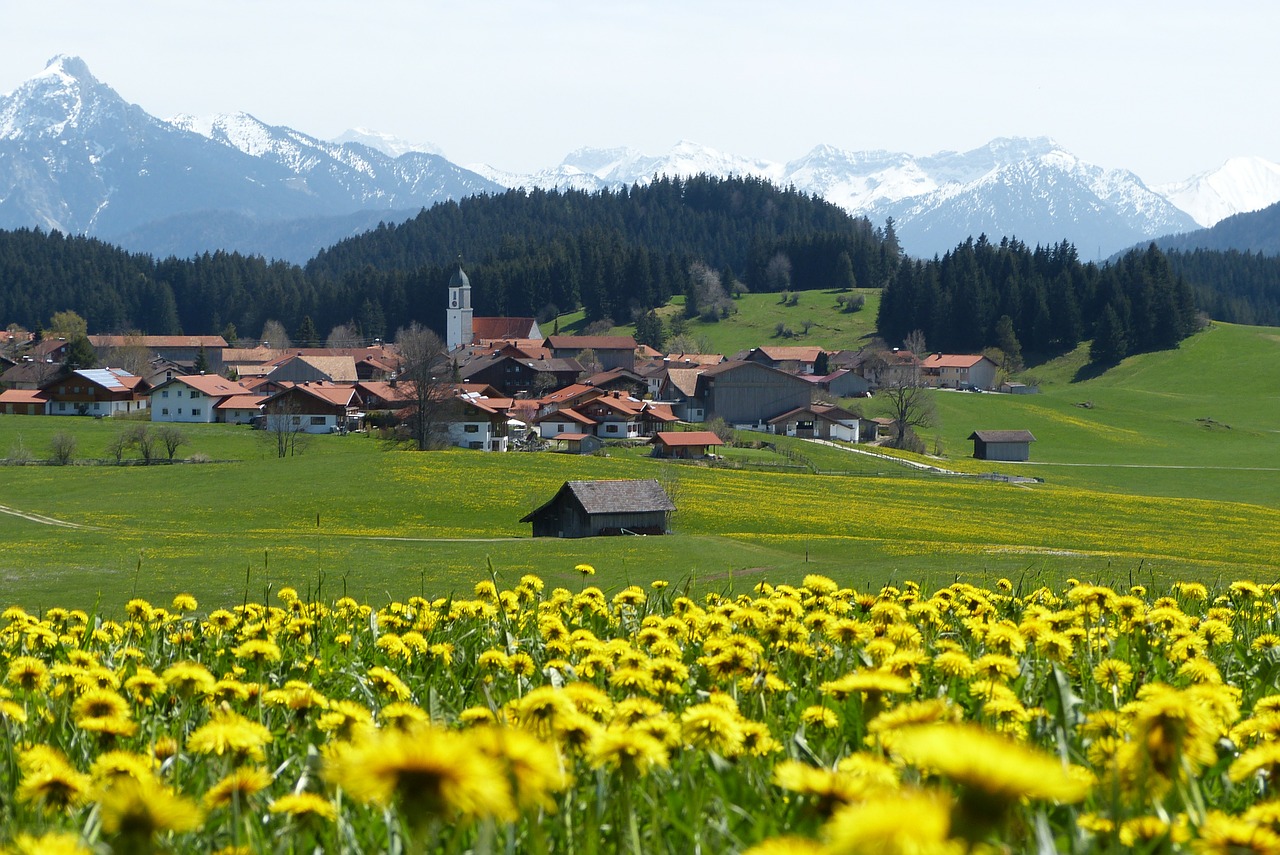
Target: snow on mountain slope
pixel 391 146
pixel 1240 185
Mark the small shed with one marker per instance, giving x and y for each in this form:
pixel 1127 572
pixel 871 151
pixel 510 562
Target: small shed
pixel 595 508
pixel 684 445
pixel 1008 445
pixel 579 443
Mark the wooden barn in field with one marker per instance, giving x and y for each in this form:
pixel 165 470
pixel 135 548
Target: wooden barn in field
pixel 597 508
pixel 1008 445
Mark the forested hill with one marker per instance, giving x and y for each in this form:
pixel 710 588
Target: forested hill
pixel 526 253
pixel 1043 300
pixel 1233 286
pixel 615 252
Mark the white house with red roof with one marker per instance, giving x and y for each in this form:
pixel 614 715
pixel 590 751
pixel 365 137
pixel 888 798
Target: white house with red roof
pixel 193 398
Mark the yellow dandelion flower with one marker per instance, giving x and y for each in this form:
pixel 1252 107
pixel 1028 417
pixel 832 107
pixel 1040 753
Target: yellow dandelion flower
pixel 54 786
pixel 135 812
pixel 28 673
pixel 228 733
pixel 820 717
pixel 385 681
pixel 113 764
pixel 51 843
pixel 188 679
pixel 585 569
pixel 305 805
pixel 786 845
pixel 1222 834
pixel 184 603
pixel 1114 675
pixel 909 823
pixel 428 773
pixel 712 727
pixel 633 752
pixel 236 788
pixel 533 767
pixel 992 772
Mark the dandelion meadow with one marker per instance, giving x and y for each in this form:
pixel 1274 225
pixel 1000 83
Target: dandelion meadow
pixel 793 718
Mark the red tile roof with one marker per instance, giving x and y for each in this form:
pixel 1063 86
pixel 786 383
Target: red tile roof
pixel 681 439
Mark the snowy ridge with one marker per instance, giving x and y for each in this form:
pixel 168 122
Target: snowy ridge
pixel 77 157
pixel 1240 185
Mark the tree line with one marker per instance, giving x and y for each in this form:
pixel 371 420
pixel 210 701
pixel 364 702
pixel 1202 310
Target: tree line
pixel 614 253
pixel 1042 300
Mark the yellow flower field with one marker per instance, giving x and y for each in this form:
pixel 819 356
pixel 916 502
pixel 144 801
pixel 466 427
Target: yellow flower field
pixel 791 718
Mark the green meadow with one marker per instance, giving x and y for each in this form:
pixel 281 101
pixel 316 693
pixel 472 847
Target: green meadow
pixel 1138 488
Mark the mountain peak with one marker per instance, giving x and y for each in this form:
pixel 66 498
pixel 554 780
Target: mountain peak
pixel 72 67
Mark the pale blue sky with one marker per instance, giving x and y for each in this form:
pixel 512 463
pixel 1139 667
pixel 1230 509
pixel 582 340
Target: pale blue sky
pixel 1167 89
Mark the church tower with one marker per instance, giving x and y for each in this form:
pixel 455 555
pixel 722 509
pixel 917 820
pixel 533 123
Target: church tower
pixel 458 331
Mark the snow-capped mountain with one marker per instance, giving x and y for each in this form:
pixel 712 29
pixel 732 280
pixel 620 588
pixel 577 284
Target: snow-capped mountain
pixel 1240 185
pixel 390 145
pixel 77 157
pixel 1028 188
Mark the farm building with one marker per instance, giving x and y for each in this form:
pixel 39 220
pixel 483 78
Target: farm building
pixel 595 508
pixel 684 445
pixel 1010 445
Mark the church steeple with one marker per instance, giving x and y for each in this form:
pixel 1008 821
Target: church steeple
pixel 458 328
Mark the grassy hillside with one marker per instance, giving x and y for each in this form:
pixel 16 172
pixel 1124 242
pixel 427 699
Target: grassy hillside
pixel 1201 421
pixel 756 317
pixel 352 516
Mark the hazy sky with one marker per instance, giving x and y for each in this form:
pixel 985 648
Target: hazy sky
pixel 1168 89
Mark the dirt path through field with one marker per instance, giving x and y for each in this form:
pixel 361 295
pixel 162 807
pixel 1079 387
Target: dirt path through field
pixel 40 518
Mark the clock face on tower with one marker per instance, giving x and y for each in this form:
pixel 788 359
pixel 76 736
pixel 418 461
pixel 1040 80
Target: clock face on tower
pixel 453 304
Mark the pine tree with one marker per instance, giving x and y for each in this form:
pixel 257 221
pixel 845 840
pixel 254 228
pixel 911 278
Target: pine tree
pixel 1110 342
pixel 308 335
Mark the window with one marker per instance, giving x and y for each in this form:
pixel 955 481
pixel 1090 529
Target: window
pixel 97 406
pixel 195 393
pixel 62 406
pixel 179 393
pixel 297 420
pixel 195 411
pixel 610 428
pixel 475 445
pixel 165 411
pixel 179 410
pixel 471 428
pixel 164 394
pixel 317 420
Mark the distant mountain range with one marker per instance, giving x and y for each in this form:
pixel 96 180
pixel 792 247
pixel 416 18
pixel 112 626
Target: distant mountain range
pixel 77 157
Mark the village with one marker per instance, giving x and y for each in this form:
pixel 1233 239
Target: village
pixel 499 384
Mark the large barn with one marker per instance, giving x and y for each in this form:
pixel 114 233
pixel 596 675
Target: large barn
pixel 595 508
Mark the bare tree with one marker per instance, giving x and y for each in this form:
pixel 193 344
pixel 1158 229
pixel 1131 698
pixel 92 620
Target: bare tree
pixel 285 426
pixel 424 363
pixel 777 273
pixel 144 440
pixel 915 342
pixel 171 438
pixel 275 335
pixel 118 445
pixel 910 404
pixel 133 356
pixel 344 335
pixel 62 448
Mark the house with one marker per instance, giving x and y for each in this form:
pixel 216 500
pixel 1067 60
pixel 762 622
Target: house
pixel 959 371
pixel 794 360
pixel 477 422
pixel 595 508
pixel 95 392
pixel 501 329
pixel 748 394
pixel 23 402
pixel 1010 388
pixel 313 408
pixel 620 380
pixel 1007 445
pixel 515 374
pixel 183 349
pixel 240 409
pixel 895 367
pixel 611 351
pixel 842 383
pixel 819 421
pixel 684 445
pixel 301 368
pixel 679 387
pixel 192 398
